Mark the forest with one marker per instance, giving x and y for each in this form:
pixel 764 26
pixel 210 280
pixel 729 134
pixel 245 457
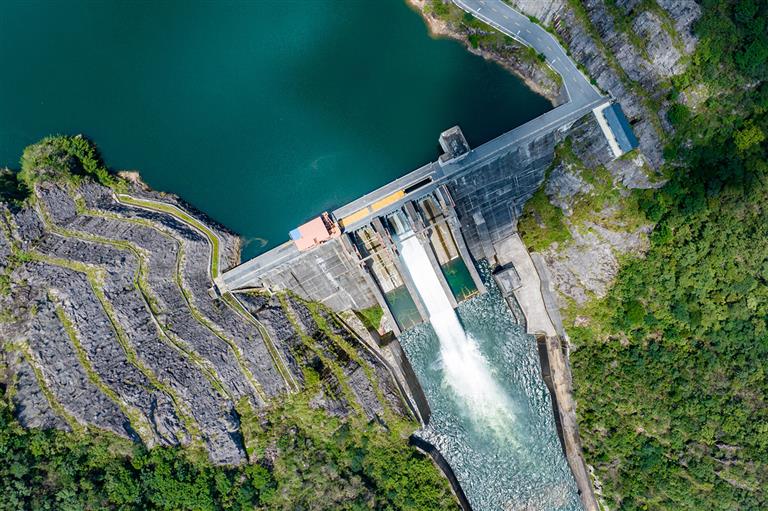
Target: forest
pixel 670 369
pixel 304 459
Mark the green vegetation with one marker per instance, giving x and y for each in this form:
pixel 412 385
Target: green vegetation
pixel 542 223
pixel 301 457
pixel 11 189
pixel 327 463
pixel 371 317
pixel 650 103
pixel 64 158
pixel 482 36
pixel 670 367
pixel 606 203
pixel 304 459
pixel 184 217
pixel 67 158
pixel 48 469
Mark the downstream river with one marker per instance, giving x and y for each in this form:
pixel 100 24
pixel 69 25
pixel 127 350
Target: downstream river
pixel 261 113
pixel 491 413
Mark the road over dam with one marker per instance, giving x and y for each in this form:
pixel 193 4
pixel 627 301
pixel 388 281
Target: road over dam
pixel 582 99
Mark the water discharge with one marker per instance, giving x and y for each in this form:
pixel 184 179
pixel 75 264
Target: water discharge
pixel 466 370
pixel 492 417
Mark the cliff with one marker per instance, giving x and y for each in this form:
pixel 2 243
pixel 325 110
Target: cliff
pixel 632 50
pixel 586 220
pixel 585 216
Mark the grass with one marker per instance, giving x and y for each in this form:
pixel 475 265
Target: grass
pixel 316 309
pixel 214 269
pixel 332 366
pixel 542 223
pixel 141 284
pixel 371 317
pixel 231 301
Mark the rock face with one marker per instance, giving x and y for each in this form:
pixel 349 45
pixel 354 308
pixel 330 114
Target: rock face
pixel 631 49
pixel 587 265
pixel 110 323
pixel 309 336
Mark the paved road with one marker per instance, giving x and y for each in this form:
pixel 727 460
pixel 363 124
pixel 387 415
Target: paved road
pixel 518 26
pixel 582 98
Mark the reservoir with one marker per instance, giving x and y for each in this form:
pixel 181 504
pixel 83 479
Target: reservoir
pixel 261 113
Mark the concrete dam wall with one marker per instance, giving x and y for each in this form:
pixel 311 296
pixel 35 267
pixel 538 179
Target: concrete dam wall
pixel 490 198
pixel 463 212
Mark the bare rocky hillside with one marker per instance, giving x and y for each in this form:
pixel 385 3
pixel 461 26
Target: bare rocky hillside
pixel 109 322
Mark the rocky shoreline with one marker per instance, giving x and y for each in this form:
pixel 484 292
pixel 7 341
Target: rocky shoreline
pixel 510 55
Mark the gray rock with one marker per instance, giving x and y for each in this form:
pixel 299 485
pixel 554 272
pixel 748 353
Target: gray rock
pixel 586 267
pixel 28 226
pixel 684 13
pixel 32 407
pixel 99 341
pixel 180 335
pixel 66 378
pixel 565 183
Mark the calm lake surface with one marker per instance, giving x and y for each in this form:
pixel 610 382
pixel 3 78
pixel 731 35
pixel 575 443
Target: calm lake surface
pixel 262 114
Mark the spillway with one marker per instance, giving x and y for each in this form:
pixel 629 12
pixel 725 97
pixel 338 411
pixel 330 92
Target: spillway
pixel 466 370
pixel 491 413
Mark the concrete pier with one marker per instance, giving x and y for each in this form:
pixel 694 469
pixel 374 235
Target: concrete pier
pixel 428 248
pixel 380 300
pixel 455 227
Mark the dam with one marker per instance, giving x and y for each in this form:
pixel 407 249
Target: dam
pixel 432 250
pixel 437 250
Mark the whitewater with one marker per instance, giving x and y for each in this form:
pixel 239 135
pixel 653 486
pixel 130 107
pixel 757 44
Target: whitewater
pixel 466 371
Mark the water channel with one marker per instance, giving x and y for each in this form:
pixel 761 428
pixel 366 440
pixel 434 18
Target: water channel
pixel 491 412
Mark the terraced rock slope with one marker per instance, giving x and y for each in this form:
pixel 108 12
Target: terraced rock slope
pixel 109 321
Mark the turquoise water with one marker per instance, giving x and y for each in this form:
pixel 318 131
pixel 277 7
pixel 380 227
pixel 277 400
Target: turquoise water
pixel 265 113
pixel 260 113
pixel 402 307
pixel 459 279
pixel 503 461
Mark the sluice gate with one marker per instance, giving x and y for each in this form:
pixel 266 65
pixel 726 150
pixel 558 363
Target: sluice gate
pixel 377 247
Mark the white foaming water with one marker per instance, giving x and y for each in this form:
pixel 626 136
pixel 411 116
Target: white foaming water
pixel 466 370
